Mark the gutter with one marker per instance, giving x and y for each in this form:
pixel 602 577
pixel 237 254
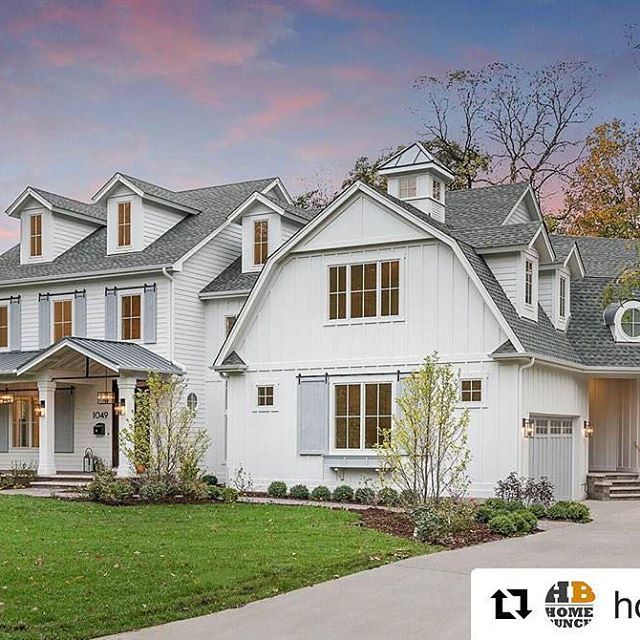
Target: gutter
pixel 172 280
pixel 215 295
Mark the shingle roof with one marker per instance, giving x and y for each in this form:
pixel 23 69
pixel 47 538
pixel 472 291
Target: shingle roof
pixel 233 360
pixel 97 211
pixel 602 257
pixel 177 197
pixel 232 279
pixel 509 235
pixel 90 255
pixel 307 214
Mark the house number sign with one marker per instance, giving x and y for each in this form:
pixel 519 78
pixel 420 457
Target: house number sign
pixel 100 415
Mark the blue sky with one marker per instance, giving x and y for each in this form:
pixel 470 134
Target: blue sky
pixel 190 93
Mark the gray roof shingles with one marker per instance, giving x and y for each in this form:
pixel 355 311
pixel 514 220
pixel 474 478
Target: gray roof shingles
pixel 96 211
pixel 232 279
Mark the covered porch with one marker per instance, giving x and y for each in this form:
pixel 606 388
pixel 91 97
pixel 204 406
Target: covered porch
pixel 69 400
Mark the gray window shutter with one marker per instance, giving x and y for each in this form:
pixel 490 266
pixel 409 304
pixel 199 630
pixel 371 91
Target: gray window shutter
pixel 313 417
pixel 64 421
pixel 15 324
pixel 149 314
pixel 111 314
pixel 44 320
pixel 80 314
pixel 4 428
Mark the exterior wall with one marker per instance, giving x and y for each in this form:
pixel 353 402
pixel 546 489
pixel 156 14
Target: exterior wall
pixel 424 194
pixel 520 214
pixel 158 220
pixel 288 229
pixel 68 231
pixel 551 391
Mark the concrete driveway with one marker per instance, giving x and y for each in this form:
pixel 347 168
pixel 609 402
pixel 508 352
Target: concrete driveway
pixel 424 597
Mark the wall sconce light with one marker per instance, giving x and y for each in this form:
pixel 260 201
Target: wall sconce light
pixel 40 409
pixel 120 408
pixel 588 429
pixel 528 428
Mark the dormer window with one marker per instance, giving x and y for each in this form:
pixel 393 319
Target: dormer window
pixel 4 326
pixel 562 307
pixel 260 241
pixel 35 235
pixel 528 282
pixel 630 323
pixel 437 190
pixel 407 187
pixel 124 224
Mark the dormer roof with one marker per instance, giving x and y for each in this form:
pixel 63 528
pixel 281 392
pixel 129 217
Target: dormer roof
pixel 59 204
pixel 414 158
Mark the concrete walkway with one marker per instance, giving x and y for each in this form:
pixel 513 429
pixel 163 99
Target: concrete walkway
pixel 424 597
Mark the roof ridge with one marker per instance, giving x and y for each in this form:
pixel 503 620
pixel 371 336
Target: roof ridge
pixel 60 195
pixel 226 184
pixel 522 183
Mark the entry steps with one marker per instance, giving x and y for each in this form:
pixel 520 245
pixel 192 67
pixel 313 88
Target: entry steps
pixel 63 481
pixel 613 485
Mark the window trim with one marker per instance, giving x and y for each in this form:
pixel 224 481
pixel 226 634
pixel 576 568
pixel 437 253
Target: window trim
pixel 125 294
pixel 37 256
pixel 273 408
pixel 34 426
pixel 414 187
pixel 472 404
pixel 130 224
pixel 6 305
pixel 227 318
pixel 528 282
pixel 378 318
pixel 434 182
pixel 562 298
pixel 255 222
pixel 53 315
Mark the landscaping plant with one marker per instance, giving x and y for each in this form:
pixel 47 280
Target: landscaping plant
pixel 321 493
pixel 567 510
pixel 299 491
pixel 388 497
pixel 526 490
pixel 277 489
pixel 365 495
pixel 343 493
pixel 440 520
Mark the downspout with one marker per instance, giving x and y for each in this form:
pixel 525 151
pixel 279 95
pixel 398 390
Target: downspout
pixel 522 368
pixel 171 279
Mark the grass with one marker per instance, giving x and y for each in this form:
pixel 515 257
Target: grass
pixel 80 570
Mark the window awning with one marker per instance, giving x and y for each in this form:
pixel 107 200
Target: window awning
pixel 117 356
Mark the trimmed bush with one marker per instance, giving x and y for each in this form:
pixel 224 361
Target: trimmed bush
pixel 513 523
pixel 321 493
pixel 494 506
pixel 194 490
pixel 299 491
pixel 567 510
pixel 538 509
pixel 215 492
pixel 230 495
pixel 388 497
pixel 438 522
pixel 343 493
pixel 210 479
pixel 108 489
pixel 155 490
pixel 277 489
pixel 365 495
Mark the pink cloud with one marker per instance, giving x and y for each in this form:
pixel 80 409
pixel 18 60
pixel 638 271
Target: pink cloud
pixel 356 73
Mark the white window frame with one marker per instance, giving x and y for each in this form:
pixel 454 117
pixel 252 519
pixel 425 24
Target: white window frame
pixel 265 408
pixel 439 189
pixel 563 298
pixel 226 320
pixel 378 318
pixel 19 393
pixel 40 214
pixel 409 184
pixel 7 306
pixel 474 404
pixel 123 294
pixel 528 263
pixel 53 300
pixel 619 333
pixel 254 221
pixel 124 247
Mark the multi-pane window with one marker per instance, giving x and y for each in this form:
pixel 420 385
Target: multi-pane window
pixel 131 317
pixel 364 290
pixel 229 321
pixel 407 187
pixel 4 326
pixel 437 190
pixel 528 282
pixel 563 297
pixel 355 404
pixel 260 241
pixel 25 423
pixel 265 396
pixel 471 390
pixel 35 235
pixel 124 224
pixel 631 322
pixel 553 427
pixel 62 320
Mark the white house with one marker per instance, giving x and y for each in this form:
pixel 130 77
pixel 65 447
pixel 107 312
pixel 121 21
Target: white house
pixel 352 302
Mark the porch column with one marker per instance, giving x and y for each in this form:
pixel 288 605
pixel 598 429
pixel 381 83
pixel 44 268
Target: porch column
pixel 46 452
pixel 126 392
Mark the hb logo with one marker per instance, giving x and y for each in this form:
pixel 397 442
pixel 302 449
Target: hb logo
pixel 569 605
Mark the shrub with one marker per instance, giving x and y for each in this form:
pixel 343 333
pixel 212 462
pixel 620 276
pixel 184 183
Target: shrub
pixel 538 509
pixel 437 522
pixel 513 523
pixel 299 491
pixel 408 498
pixel 155 490
pixel 321 493
pixel 526 490
pixel 121 491
pixel 229 495
pixel 365 495
pixel 277 489
pixel 22 473
pixel 108 489
pixel 566 510
pixel 493 506
pixel 343 493
pixel 388 497
pixel 215 492
pixel 210 479
pixel 194 490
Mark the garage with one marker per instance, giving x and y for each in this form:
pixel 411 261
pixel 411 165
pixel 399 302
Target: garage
pixel 551 453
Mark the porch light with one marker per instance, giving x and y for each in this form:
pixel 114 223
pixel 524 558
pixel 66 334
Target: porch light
pixel 40 409
pixel 588 429
pixel 6 397
pixel 120 408
pixel 106 397
pixel 528 428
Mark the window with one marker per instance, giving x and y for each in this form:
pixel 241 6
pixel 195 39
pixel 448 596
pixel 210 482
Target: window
pixel 337 292
pixel 260 241
pixel 35 235
pixel 528 282
pixel 265 396
pixel 471 390
pixel 437 190
pixel 131 317
pixel 25 423
pixel 62 322
pixel 229 321
pixel 631 322
pixel 4 326
pixel 364 290
pixel 352 401
pixel 563 297
pixel 124 224
pixel 192 401
pixel 407 187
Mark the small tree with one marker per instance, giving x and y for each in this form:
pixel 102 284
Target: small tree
pixel 161 437
pixel 426 452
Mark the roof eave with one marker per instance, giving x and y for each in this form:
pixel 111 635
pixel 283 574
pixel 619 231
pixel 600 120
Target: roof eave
pixel 234 293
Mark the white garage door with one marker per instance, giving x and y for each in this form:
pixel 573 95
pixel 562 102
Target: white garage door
pixel 550 453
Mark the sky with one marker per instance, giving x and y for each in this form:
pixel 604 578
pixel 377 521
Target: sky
pixel 189 93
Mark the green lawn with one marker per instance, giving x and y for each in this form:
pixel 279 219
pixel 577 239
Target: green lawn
pixel 80 570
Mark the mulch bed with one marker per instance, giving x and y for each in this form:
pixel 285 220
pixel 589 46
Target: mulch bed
pixel 400 524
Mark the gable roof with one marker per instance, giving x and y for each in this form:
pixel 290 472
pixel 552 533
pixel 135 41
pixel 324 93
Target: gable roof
pixel 232 279
pixel 415 157
pixel 55 202
pixel 510 235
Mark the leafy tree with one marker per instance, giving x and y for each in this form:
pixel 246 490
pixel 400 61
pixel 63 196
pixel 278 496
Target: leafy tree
pixel 316 198
pixel 603 197
pixel 366 170
pixel 425 453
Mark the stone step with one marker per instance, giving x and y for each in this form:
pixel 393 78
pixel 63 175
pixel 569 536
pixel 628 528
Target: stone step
pixel 613 474
pixel 57 484
pixel 625 483
pixel 625 496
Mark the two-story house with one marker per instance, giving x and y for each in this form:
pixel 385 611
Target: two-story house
pixel 351 304
pixel 97 295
